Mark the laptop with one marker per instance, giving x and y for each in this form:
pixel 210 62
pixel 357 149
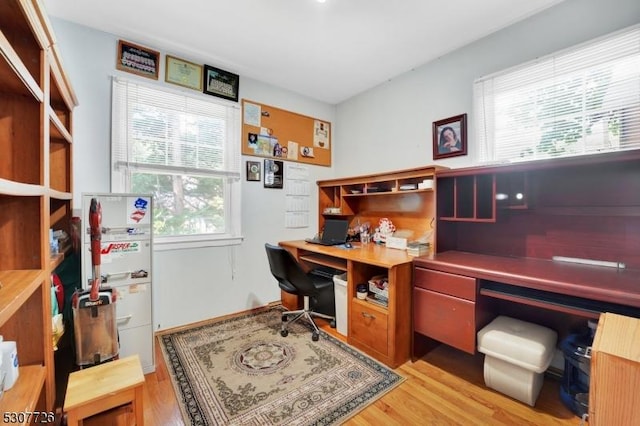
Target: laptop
pixel 335 233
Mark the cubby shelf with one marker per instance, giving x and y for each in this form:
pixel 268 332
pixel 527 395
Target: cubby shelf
pixel 16 78
pixel 467 198
pixel 368 198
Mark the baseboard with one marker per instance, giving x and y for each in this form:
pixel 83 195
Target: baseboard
pixel 178 328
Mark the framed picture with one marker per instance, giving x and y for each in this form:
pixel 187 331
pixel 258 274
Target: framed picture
pixel 450 137
pixel 137 60
pixel 253 171
pixel 183 73
pixel 273 174
pixel 221 83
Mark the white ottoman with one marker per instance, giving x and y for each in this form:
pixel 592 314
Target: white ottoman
pixel 516 355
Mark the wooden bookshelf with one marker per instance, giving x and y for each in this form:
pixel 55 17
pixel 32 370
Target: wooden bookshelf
pixel 35 193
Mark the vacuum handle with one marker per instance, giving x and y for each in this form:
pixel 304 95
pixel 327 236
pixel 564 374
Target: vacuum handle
pixel 94 292
pixel 95 219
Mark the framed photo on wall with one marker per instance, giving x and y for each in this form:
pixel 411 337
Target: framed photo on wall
pixel 183 73
pixel 253 171
pixel 273 174
pixel 137 60
pixel 450 137
pixel 223 84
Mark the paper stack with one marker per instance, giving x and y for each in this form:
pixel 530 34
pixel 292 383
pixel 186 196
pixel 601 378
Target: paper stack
pixel 417 249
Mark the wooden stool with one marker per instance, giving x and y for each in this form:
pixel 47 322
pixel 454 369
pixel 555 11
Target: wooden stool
pixel 105 386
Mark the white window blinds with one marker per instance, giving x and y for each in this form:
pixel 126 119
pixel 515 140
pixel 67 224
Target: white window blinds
pixel 185 151
pixel 582 100
pixel 161 130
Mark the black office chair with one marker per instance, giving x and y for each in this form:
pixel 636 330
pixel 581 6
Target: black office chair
pixel 317 290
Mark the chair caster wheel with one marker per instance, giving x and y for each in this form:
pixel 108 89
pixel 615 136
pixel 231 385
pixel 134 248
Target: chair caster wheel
pixel 315 337
pixel 284 318
pixel 284 333
pixel 333 324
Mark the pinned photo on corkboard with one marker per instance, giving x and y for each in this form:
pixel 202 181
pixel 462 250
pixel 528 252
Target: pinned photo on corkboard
pixel 321 134
pixel 138 59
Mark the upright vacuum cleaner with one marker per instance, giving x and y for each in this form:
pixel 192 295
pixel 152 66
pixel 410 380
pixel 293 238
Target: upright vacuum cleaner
pixel 94 308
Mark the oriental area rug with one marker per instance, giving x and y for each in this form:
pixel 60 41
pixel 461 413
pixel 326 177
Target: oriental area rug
pixel 240 371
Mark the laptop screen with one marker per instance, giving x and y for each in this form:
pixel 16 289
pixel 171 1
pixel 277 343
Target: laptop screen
pixel 335 231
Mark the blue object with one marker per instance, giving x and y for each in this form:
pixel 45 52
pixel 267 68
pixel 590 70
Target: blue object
pixel 574 390
pixel 141 204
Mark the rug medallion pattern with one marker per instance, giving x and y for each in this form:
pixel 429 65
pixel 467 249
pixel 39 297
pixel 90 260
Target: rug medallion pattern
pixel 240 371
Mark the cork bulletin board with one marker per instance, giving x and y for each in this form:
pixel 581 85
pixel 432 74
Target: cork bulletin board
pixel 276 133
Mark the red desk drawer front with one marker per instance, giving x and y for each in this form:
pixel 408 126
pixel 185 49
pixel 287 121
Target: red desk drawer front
pixel 445 318
pixel 443 282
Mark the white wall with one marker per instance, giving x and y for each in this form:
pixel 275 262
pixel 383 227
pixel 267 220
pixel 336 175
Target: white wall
pixel 195 284
pixel 390 125
pixel 386 128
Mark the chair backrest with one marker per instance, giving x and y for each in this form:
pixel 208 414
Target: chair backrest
pixel 288 271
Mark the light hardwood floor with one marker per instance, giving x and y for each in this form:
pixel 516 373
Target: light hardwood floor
pixel 445 387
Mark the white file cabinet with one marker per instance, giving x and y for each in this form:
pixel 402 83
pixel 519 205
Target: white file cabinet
pixel 125 265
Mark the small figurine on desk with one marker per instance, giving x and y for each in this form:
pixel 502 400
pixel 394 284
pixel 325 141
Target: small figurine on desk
pixel 385 229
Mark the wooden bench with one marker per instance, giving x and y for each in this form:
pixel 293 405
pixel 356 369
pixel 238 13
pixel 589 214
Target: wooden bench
pixel 103 387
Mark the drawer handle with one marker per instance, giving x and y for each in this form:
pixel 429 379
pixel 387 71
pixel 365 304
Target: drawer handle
pixel 125 319
pixel 116 276
pixel 368 315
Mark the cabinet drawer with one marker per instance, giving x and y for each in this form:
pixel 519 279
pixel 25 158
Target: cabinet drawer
pixel 121 262
pixel 442 282
pixel 138 340
pixel 369 326
pixel 133 305
pixel 447 319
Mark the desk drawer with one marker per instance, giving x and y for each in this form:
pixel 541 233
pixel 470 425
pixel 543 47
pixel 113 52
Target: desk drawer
pixel 369 326
pixel 443 282
pixel 447 319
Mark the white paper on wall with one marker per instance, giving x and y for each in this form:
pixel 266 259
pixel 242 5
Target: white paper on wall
pixel 297 196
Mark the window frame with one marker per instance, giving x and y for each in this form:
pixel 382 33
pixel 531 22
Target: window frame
pixel 540 76
pixel 121 173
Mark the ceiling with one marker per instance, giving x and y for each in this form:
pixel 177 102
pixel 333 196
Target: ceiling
pixel 327 51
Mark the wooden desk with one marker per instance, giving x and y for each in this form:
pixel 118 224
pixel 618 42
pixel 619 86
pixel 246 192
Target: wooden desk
pixel 383 333
pixel 582 291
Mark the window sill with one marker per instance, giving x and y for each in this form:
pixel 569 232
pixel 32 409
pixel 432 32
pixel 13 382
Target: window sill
pixel 194 241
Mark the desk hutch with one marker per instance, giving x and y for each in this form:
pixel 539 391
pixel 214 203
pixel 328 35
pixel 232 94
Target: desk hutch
pixel 382 332
pixel 35 193
pixel 498 229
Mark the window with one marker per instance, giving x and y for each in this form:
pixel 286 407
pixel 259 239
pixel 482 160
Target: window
pixel 582 100
pixel 185 151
